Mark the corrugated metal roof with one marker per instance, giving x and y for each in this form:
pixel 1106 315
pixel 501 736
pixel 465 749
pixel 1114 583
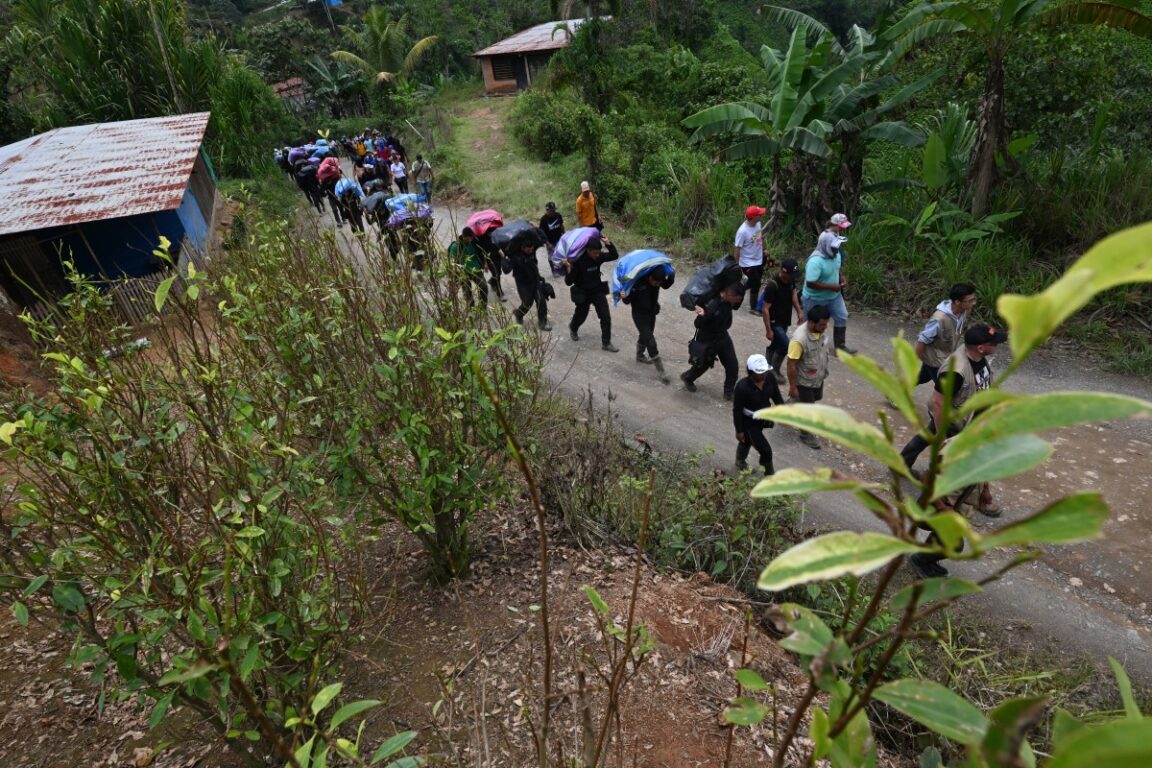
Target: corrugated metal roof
pixel 537 38
pixel 100 171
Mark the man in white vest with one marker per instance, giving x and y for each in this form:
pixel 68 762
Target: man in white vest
pixel 944 331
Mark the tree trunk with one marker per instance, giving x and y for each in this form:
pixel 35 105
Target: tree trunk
pixel 991 136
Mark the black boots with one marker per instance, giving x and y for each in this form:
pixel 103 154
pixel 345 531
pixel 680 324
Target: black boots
pixel 777 362
pixel 838 338
pixel 656 361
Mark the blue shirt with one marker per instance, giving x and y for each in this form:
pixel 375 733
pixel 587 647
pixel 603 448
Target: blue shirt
pixel 821 269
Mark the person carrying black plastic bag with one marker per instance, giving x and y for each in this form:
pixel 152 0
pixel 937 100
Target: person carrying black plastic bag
pixel 589 289
pixel 520 260
pixel 755 391
pixel 712 340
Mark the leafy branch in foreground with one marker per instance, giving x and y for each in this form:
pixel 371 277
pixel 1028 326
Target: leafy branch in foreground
pixel 998 441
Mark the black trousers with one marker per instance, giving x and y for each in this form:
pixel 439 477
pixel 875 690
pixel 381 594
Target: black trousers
pixel 755 277
pixel 600 301
pixel 912 450
pixel 646 326
pixel 532 292
pixel 353 214
pixel 723 350
pixel 333 201
pixel 755 438
pixel 402 185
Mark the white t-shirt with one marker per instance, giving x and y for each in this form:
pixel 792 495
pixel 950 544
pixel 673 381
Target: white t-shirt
pixel 398 171
pixel 750 241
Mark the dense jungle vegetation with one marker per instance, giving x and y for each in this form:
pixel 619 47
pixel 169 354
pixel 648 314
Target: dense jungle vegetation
pixel 1063 155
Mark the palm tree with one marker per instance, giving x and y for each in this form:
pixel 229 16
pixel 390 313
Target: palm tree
pixel 823 108
pixel 997 27
pixel 381 47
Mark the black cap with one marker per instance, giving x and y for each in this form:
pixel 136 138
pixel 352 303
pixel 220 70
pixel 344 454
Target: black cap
pixel 550 205
pixel 984 334
pixel 594 244
pixel 790 266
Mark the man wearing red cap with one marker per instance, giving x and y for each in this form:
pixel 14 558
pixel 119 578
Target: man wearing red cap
pixel 749 252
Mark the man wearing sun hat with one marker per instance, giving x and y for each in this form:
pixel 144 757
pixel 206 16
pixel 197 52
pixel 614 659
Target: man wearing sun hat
pixel 824 280
pixel 749 252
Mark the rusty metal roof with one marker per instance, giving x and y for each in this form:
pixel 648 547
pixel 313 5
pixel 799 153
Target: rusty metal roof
pixel 101 171
pixel 537 38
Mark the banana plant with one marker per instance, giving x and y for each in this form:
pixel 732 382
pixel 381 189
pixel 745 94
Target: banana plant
pixel 823 107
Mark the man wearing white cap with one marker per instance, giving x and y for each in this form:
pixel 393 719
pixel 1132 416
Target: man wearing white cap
pixel 754 392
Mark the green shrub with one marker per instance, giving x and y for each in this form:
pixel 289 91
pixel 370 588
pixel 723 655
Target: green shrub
pixel 553 124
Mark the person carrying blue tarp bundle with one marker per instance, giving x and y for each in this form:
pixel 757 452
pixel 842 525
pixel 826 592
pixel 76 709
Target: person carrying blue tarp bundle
pixel 638 280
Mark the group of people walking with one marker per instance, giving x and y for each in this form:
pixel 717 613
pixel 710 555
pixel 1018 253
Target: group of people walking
pixel 379 165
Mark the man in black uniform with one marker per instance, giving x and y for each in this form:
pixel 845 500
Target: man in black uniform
pixel 644 298
pixel 589 289
pixel 753 392
pixel 712 340
pixel 552 224
pixel 521 262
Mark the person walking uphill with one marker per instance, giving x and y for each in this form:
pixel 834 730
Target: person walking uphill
pixel 712 340
pixel 753 393
pixel 749 253
pixel 589 289
pixel 808 358
pixel 586 213
pixel 521 262
pixel 644 298
pixel 824 281
pixel 465 254
pixel 944 331
pixel 776 306
pixel 964 373
pixel 552 225
pixel 422 172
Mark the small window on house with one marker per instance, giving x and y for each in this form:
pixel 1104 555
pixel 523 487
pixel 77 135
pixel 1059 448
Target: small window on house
pixel 503 68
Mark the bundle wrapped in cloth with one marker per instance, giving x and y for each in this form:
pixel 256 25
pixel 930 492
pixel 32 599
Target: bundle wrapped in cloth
pixel 635 265
pixel 572 244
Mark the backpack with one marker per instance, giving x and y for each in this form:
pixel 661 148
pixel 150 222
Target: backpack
pixel 708 281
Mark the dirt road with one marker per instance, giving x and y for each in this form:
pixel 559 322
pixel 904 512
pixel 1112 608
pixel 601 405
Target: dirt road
pixel 1089 599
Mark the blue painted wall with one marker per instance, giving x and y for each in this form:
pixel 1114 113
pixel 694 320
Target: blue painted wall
pixel 123 246
pixel 195 227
